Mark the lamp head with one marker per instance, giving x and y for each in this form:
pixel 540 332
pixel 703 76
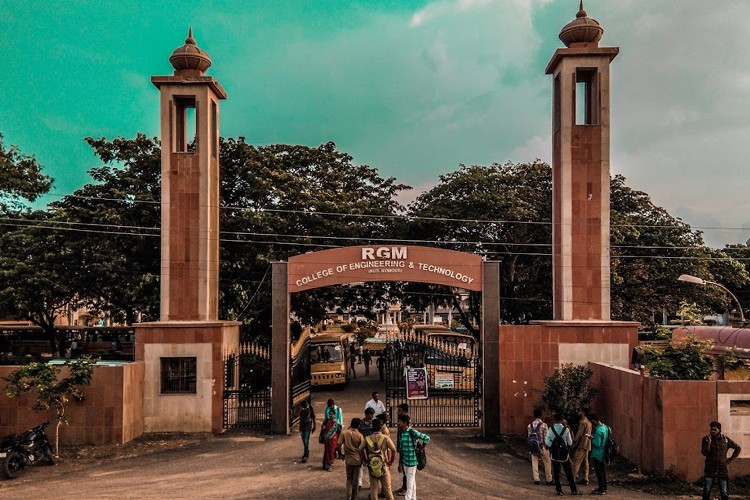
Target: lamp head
pixel 691 279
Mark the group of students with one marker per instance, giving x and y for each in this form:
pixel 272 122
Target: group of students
pixel 366 447
pixel 555 444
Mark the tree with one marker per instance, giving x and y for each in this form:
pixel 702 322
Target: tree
pixel 43 380
pixel 650 249
pixel 567 390
pixel 501 212
pixel 38 274
pixel 740 253
pixel 280 200
pixel 116 226
pixel 21 177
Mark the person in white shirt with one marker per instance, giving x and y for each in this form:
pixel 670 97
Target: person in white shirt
pixel 376 404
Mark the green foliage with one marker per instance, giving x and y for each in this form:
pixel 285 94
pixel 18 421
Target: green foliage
pixel 567 390
pixel 501 212
pixel 348 327
pixel 662 332
pixel 119 266
pixel 689 314
pixel 51 391
pixel 21 177
pixel 38 273
pixel 731 361
pixel 683 359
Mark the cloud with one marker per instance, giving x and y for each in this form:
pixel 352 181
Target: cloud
pixel 535 147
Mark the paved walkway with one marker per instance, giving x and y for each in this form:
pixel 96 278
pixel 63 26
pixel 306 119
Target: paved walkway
pixel 238 466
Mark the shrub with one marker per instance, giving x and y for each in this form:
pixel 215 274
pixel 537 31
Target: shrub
pixel 684 359
pixel 567 390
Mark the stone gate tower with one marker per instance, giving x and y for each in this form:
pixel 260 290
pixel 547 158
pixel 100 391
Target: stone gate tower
pixel 189 186
pixel 580 172
pixel 182 353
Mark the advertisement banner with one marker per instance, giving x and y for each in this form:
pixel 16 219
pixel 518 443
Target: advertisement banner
pixel 416 383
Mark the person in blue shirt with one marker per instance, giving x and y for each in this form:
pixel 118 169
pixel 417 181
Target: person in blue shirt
pixel 559 429
pixel 337 413
pixel 599 437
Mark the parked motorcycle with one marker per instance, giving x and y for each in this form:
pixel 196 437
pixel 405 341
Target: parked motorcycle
pixel 16 452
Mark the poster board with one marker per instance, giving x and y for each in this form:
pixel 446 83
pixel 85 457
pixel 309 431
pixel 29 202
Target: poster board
pixel 416 383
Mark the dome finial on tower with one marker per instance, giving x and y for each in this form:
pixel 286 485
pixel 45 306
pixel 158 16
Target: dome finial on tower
pixel 191 41
pixel 190 60
pixel 581 30
pixel 581 11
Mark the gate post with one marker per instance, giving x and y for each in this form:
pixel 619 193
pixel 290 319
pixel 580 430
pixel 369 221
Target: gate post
pixel 491 348
pixel 279 349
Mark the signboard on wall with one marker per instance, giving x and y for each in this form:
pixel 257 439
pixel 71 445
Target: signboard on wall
pixel 384 263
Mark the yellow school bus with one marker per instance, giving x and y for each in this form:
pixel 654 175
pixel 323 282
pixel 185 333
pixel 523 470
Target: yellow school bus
pixel 329 359
pixel 451 373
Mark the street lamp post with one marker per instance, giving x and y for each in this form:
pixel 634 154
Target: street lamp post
pixel 700 281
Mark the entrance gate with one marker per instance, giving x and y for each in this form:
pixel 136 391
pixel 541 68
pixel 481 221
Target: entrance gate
pixel 247 388
pixel 299 376
pixel 453 381
pixel 394 263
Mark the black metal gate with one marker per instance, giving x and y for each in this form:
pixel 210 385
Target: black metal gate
pixel 299 367
pixel 247 388
pixel 453 381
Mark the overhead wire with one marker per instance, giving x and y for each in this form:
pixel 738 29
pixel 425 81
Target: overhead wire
pixel 395 216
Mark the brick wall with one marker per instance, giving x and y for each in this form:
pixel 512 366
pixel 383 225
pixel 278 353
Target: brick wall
pixel 111 413
pixel 660 423
pixel 528 353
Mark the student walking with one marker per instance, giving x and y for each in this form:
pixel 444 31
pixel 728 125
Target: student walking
pixel 367 358
pixel 403 409
pixel 376 404
pixel 408 455
pixel 332 418
pixel 306 427
pixel 378 452
pixel 351 440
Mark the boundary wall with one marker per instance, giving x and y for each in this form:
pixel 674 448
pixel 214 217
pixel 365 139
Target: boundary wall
pixel 660 423
pixel 111 413
pixel 528 353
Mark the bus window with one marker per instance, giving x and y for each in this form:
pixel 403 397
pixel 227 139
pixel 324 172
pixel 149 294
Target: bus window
pixel 326 353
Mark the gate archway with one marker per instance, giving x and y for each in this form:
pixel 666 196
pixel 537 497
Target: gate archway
pixel 386 263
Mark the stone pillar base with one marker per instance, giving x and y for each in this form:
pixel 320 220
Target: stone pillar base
pixel 201 342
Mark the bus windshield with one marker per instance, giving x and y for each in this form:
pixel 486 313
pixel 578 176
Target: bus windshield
pixel 458 341
pixel 326 353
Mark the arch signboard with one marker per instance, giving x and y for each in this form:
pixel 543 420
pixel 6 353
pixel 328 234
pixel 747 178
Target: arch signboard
pixel 384 263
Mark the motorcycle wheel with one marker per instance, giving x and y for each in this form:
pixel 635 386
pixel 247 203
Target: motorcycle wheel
pixel 12 465
pixel 49 455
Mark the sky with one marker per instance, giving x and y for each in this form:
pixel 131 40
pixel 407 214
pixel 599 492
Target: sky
pixel 413 88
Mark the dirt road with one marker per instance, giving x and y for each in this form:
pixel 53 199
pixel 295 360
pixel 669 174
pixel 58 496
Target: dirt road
pixel 235 466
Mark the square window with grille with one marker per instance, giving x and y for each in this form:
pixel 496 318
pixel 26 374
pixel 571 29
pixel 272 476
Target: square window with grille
pixel 178 375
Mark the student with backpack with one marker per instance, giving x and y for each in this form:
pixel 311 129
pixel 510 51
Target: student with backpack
pixel 378 452
pixel 536 432
pixel 408 462
pixel 599 438
pixel 558 441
